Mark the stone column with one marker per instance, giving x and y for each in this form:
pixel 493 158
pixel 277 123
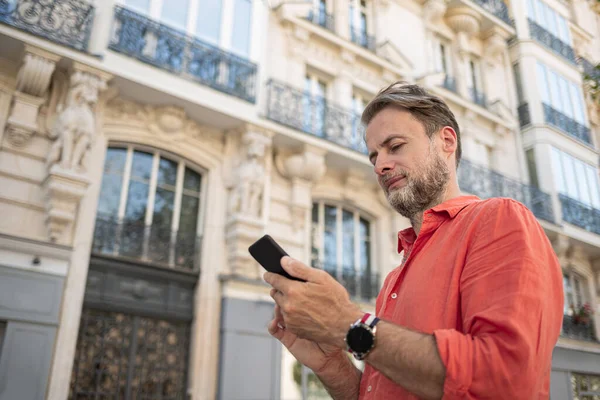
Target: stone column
pixel 341 16
pixel 72 188
pixel 465 22
pixel 248 197
pixel 103 24
pixel 33 80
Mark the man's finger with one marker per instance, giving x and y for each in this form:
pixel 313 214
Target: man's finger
pixel 277 281
pixel 279 298
pixel 297 269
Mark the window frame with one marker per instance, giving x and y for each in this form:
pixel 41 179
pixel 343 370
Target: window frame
pixel 550 19
pixel 565 186
pixel 551 88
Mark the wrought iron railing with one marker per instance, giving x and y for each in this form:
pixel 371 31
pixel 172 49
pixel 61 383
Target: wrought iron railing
pixel 322 18
pixel 524 116
pixel 496 7
pixel 580 214
pixel 152 244
pixel 590 71
pixel 450 83
pixel 478 97
pixel 485 183
pixel 566 124
pixel 314 115
pixel 363 39
pixel 579 331
pixel 68 22
pixel 360 285
pixel 552 42
pixel 170 49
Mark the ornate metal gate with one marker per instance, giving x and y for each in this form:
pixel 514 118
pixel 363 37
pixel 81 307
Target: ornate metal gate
pixel 124 356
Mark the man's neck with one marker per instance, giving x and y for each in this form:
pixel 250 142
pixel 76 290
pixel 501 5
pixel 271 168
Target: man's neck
pixel 417 220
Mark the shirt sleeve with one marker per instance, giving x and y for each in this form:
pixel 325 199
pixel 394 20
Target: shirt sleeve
pixel 511 306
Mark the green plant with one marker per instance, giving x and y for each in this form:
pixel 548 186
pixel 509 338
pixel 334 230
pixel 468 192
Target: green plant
pixel 583 316
pixel 592 80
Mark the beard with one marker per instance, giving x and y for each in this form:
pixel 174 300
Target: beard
pixel 423 189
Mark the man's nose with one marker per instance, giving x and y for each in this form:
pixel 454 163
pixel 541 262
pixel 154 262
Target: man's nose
pixel 383 165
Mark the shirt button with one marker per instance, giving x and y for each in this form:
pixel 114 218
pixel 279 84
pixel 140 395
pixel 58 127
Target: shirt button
pixel 394 295
pixel 369 388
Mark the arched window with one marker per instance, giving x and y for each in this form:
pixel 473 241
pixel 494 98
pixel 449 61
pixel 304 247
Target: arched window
pixel 149 208
pixel 341 245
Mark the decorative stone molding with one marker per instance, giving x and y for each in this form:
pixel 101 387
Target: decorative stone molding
pixel 75 131
pixel 465 22
pixel 246 196
pixel 434 10
pixel 32 84
pixel 562 248
pixel 304 169
pixel 494 46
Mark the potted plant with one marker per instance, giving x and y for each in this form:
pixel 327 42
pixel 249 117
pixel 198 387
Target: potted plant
pixel 583 315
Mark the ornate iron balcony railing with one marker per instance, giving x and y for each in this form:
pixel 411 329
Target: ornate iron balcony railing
pixel 449 83
pixel 590 71
pixel 485 183
pixel 580 214
pixel 322 18
pixel 552 42
pixel 67 22
pixel 170 49
pixel 360 285
pixel 363 39
pixel 496 7
pixel 577 331
pixel 524 117
pixel 566 124
pixel 314 115
pixel 478 97
pixel 151 244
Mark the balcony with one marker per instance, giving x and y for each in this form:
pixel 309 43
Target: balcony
pixel 314 115
pixel 524 116
pixel 498 8
pixel 363 39
pixel 485 183
pixel 567 124
pixel 580 214
pixel 322 18
pixel 550 41
pixel 66 22
pixel 450 83
pixel 478 97
pixel 172 50
pixel 148 244
pixel 577 331
pixel 360 285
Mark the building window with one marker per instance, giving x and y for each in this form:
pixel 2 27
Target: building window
pixel 585 387
pixel 575 293
pixel 2 333
pixel 205 19
pixel 532 167
pixel 314 105
pixel 575 178
pixel 561 94
pixel 125 356
pixel 149 208
pixel 474 82
pixel 341 245
pixel 549 19
pixel 359 23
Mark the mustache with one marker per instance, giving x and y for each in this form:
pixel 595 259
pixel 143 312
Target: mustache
pixel 385 179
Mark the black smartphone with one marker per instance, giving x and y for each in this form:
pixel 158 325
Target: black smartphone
pixel 269 254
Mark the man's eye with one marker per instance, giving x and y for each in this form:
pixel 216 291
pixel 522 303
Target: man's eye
pixel 396 147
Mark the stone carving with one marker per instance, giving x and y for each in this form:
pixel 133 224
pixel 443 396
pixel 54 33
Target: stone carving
pixel 75 126
pixel 247 190
pixel 33 80
pixel 434 10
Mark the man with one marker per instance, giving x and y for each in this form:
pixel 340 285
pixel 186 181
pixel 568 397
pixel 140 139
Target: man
pixel 475 309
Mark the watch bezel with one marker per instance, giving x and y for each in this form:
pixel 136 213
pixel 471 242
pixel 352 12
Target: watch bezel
pixel 360 325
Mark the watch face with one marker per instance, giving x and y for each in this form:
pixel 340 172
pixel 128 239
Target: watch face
pixel 359 339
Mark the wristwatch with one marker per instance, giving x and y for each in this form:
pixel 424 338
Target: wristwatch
pixel 360 338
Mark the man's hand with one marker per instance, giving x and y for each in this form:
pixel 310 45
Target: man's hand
pixel 318 310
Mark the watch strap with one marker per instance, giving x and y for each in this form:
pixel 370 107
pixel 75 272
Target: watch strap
pixel 369 319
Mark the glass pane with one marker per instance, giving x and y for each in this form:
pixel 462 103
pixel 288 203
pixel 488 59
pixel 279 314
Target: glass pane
pixel 187 243
pixel 175 12
pixel 330 239
pixel 539 13
pixel 141 167
pixel 563 31
pixel 191 180
pixel 208 24
pixel 115 160
pixel 530 10
pixel 551 20
pixel 188 219
pixel 592 178
pixel 348 240
pixel 559 178
pixel 315 238
pixel 365 240
pixel 137 200
pixel 163 210
pixel 570 176
pixel 554 91
pixel 167 172
pixel 567 101
pixel 110 195
pixel 241 26
pixel 576 98
pixel 139 5
pixel 584 189
pixel 542 81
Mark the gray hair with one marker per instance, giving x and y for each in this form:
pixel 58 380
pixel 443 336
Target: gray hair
pixel 428 109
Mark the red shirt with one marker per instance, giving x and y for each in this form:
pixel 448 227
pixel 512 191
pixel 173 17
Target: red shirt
pixel 482 277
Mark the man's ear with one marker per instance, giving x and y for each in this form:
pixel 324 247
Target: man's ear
pixel 449 140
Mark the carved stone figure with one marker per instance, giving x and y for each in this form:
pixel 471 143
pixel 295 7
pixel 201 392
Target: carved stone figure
pixel 246 193
pixel 75 125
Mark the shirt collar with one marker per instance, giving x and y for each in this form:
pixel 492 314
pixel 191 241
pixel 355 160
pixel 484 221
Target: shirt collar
pixel 449 208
